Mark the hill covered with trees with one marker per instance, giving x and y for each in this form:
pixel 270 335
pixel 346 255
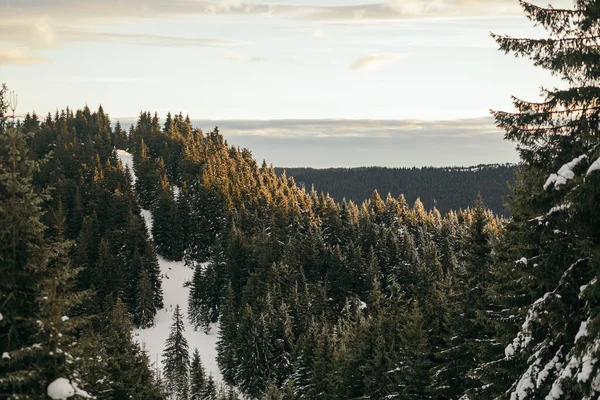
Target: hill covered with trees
pixel 443 188
pixel 316 298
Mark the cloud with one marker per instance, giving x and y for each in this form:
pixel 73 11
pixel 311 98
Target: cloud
pixel 340 128
pixel 235 57
pixel 341 142
pixel 145 39
pixel 322 143
pixel 36 24
pixel 19 57
pixel 375 61
pixel 105 79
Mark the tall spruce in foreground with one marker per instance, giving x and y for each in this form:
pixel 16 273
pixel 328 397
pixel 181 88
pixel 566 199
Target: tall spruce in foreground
pixel 555 231
pixel 197 377
pixel 176 359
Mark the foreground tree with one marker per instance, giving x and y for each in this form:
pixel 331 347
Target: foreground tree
pixel 197 377
pixel 176 359
pixel 35 333
pixel 554 237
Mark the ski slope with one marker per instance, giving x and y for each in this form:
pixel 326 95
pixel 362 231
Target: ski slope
pixel 174 276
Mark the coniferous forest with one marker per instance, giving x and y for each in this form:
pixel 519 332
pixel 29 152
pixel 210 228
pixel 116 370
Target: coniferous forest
pixel 314 297
pixel 446 189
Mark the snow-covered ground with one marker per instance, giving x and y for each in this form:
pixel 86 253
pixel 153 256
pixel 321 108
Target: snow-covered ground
pixel 174 276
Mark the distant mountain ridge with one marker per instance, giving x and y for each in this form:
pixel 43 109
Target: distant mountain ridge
pixel 446 188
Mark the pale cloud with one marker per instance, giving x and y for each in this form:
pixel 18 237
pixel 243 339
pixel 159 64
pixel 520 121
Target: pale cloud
pixel 353 128
pixel 351 143
pixel 104 80
pixel 45 24
pixel 19 57
pixel 235 57
pixel 146 39
pixel 318 33
pixel 375 61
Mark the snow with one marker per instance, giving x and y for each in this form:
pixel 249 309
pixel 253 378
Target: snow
pixel 564 174
pixel 127 161
pixel 522 260
pixel 175 275
pixel 525 384
pixel 582 288
pixel 594 167
pixel 583 330
pixel 509 351
pixel 61 389
pixel 587 367
pixel 547 369
pixel 558 208
pixel 152 339
pixel 5 355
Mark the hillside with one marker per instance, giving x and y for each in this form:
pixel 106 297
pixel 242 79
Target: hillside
pixel 175 275
pixel 444 188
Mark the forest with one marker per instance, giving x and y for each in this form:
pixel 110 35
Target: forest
pixel 315 297
pixel 446 189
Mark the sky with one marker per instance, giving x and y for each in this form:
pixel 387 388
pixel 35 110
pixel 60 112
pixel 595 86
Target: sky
pixel 306 82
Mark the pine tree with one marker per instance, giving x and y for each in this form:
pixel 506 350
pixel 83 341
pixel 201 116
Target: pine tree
pixel 198 380
pixel 554 233
pixel 166 228
pixel 145 309
pixel 226 345
pixel 210 389
pixel 34 292
pixel 176 359
pixel 127 368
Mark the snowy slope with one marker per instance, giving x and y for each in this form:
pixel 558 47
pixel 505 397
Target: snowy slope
pixel 174 275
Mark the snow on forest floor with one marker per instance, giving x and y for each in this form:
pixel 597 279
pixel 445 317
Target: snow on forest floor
pixel 174 276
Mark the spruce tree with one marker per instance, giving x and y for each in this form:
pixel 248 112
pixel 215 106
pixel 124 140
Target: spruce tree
pixel 127 368
pixel 145 309
pixel 210 389
pixel 197 377
pixel 35 332
pixel 226 345
pixel 554 233
pixel 176 359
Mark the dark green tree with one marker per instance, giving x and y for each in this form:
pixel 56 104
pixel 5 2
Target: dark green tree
pixel 145 309
pixel 176 359
pixel 554 233
pixel 198 380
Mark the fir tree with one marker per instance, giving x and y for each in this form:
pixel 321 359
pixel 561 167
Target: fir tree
pixel 197 377
pixel 36 337
pixel 554 233
pixel 210 389
pixel 176 359
pixel 145 309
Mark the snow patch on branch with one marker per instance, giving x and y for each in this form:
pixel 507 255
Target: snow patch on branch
pixel 594 167
pixel 583 330
pixel 564 174
pixel 62 389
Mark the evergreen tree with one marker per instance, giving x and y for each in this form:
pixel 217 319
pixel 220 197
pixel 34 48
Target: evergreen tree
pixel 197 377
pixel 226 345
pixel 35 291
pixel 554 233
pixel 145 309
pixel 126 368
pixel 176 359
pixel 210 389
